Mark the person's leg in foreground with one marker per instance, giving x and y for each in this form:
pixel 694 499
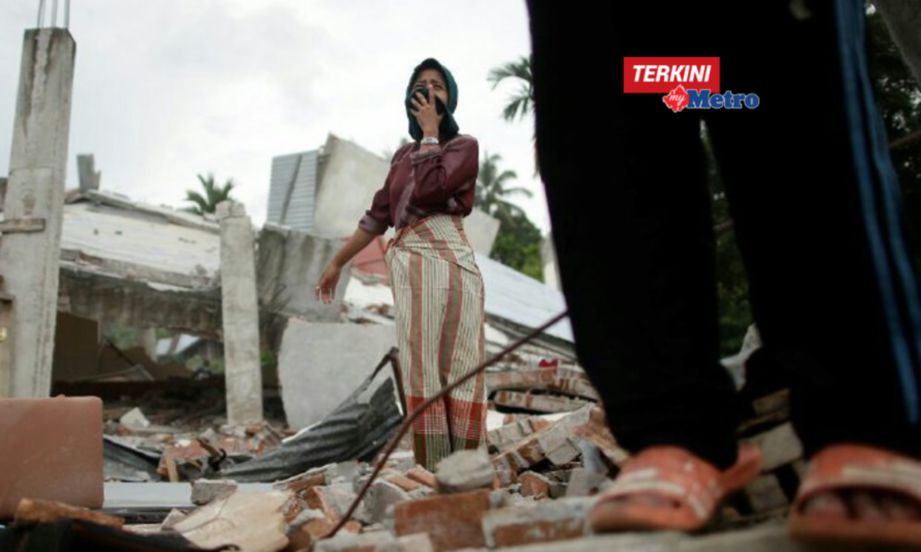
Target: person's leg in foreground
pixel 812 197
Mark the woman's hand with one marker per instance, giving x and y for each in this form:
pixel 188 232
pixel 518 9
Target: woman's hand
pixel 326 286
pixel 426 114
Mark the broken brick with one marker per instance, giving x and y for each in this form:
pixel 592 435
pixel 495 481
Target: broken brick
pixel 376 541
pixel 513 432
pixel 31 511
pixel 423 476
pixel 465 470
pixel 315 530
pixel 300 483
pixel 404 482
pixel 583 482
pixel 547 521
pixel 332 500
pixel 534 484
pixel 560 380
pixel 597 432
pixel 451 521
pixel 548 404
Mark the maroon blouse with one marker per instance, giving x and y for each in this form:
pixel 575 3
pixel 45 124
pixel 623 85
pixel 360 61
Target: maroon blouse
pixel 442 180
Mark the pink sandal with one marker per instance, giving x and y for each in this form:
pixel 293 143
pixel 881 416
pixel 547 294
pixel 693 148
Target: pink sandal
pixel 694 487
pixel 855 467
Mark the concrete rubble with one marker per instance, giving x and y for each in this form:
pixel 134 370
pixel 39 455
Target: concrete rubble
pixel 531 489
pixel 465 470
pixel 273 456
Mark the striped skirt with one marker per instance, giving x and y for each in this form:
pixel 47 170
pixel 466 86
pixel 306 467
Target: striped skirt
pixel 439 318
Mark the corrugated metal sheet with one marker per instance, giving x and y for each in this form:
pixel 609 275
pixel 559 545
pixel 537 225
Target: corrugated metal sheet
pixel 357 429
pixel 292 191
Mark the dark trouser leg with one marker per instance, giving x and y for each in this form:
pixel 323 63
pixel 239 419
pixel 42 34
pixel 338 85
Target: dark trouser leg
pixel 812 198
pixel 625 185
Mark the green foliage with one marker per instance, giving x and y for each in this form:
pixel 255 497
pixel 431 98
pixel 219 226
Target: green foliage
pixel 491 190
pixel 518 244
pixel 731 280
pixel 899 99
pixel 522 101
pixel 518 241
pixel 213 195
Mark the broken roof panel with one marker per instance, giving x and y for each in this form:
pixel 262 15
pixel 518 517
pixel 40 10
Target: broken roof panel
pixel 521 299
pixel 150 243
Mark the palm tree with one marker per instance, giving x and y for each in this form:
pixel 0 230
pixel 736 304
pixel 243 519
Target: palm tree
pixel 214 194
pixel 491 191
pixel 522 102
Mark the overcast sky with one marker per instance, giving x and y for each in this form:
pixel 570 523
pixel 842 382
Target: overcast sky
pixel 167 89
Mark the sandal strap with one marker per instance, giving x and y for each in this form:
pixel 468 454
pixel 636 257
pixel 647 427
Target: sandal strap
pixel 672 473
pixel 852 466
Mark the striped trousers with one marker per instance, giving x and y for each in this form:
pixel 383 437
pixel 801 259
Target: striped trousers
pixel 439 316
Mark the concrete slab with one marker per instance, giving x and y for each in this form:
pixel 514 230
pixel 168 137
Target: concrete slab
pixel 158 495
pixel 320 364
pixel 481 229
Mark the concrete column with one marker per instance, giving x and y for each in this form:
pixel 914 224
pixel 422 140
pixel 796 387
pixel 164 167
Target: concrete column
pixel 149 342
pixel 242 373
pixel 30 246
pixel 550 266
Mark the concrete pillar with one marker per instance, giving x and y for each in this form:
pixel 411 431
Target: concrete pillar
pixel 89 176
pixel 30 246
pixel 149 340
pixel 548 260
pixel 242 373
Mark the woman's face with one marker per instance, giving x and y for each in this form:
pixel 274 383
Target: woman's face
pixel 432 79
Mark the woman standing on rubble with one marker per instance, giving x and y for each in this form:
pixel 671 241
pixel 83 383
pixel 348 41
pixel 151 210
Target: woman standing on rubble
pixel 436 284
